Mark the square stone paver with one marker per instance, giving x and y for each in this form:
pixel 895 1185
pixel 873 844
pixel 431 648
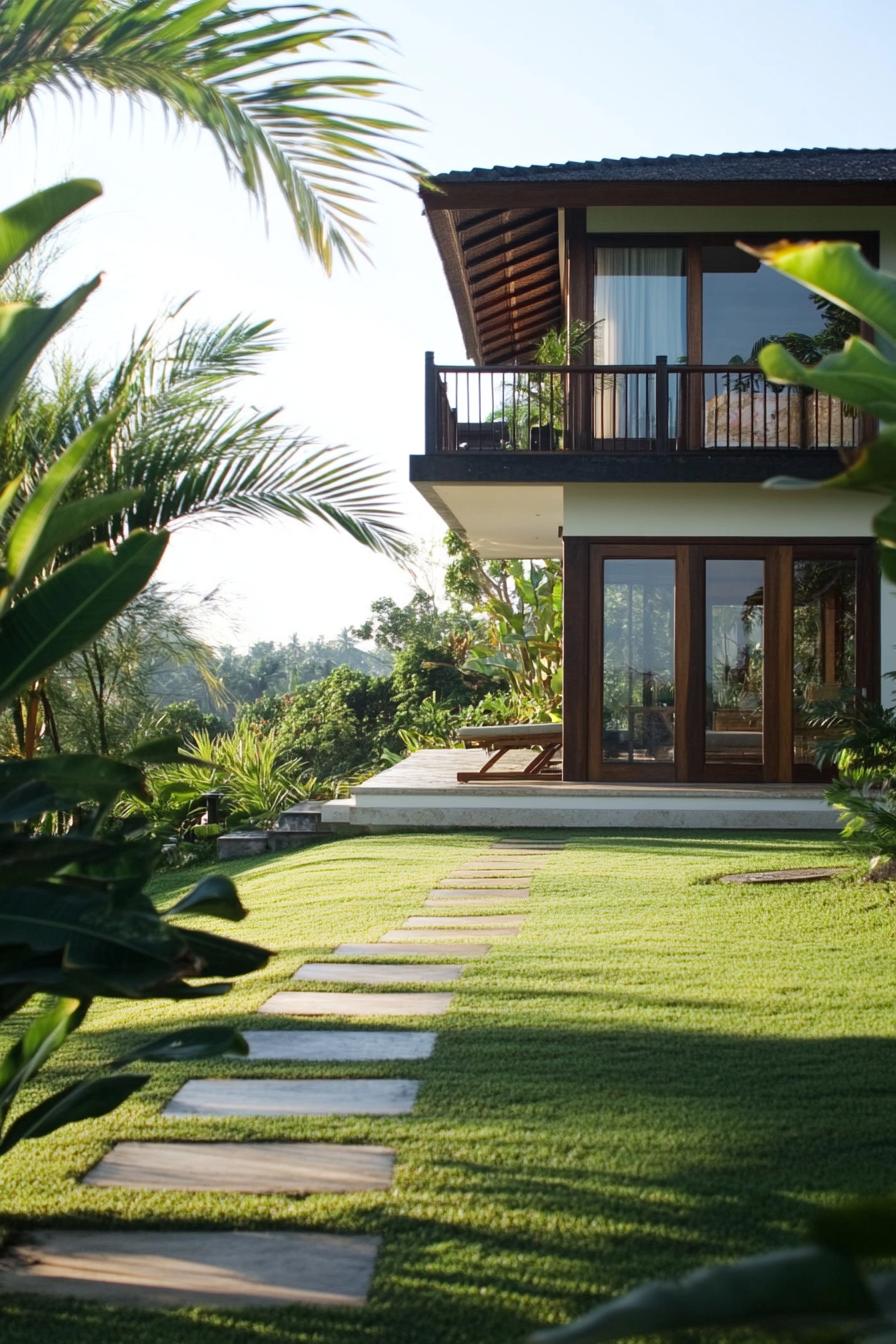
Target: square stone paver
pixel 505 893
pixel 194 1269
pixel 346 1047
pixel 292 1096
pixel 453 900
pixel 320 1003
pixel 251 1168
pixel 470 876
pixel 412 950
pixel 376 973
pixel 483 922
pixel 401 937
pixel 527 846
pixel 481 882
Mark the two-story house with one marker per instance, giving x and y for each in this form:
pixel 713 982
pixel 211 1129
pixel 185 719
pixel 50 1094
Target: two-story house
pixel 708 620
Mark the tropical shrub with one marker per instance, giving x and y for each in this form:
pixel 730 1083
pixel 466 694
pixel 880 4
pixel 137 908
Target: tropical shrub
pixel 75 919
pixel 863 376
pixel 251 772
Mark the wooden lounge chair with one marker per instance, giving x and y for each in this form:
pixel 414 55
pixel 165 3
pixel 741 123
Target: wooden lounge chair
pixel 545 739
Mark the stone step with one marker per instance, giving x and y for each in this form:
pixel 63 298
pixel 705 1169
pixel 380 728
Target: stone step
pixel 249 844
pixel 194 1269
pixel 304 816
pixel 334 1003
pixel 289 1096
pixel 250 1168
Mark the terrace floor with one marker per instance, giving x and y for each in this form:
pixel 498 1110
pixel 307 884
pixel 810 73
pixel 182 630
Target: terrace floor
pixel 422 792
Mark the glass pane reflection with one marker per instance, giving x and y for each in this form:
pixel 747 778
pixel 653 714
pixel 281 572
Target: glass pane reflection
pixel 735 656
pixel 639 660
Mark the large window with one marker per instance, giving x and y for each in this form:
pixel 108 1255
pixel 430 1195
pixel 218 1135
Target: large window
pixel 707 302
pixel 746 305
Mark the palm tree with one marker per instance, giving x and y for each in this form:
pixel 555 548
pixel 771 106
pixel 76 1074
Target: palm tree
pixel 173 431
pixel 279 88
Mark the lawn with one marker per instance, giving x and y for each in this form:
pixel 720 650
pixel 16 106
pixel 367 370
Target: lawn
pixel 662 1069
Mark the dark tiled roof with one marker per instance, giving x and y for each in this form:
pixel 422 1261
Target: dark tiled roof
pixel 772 165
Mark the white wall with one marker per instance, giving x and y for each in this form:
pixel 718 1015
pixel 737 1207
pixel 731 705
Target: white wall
pixel 703 510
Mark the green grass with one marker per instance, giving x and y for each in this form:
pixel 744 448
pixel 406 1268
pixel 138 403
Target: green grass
pixel 661 1070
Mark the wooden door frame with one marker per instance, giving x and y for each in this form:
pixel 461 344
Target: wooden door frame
pixel 583 651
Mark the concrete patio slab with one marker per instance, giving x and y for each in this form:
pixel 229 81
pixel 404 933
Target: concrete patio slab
pixel 290 1096
pixel 483 922
pixel 348 1047
pixel 194 1269
pixel 311 1003
pixel 252 1168
pixel 374 973
pixel 401 937
pixel 412 950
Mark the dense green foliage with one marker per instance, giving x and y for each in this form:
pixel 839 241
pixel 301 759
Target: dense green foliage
pixel 660 1070
pixel 75 919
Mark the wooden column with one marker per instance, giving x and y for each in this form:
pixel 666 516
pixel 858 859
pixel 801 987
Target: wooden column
pixel 576 622
pixel 581 309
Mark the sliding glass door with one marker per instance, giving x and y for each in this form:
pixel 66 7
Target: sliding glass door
pixel 725 663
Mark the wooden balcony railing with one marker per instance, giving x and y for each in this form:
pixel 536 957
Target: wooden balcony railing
pixel 632 408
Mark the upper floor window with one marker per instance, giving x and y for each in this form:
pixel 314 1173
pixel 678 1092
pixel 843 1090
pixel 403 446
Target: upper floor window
pixel 640 296
pixel 746 305
pixel 702 301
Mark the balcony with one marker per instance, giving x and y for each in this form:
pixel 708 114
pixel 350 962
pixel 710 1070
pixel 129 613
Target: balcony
pixel 647 409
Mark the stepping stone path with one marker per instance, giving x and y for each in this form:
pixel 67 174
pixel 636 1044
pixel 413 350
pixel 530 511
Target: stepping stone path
pixel 453 900
pixel 308 1003
pixel 254 1168
pixel 294 1096
pixel 370 973
pixel 404 936
pixel 234 1269
pixel 481 883
pixel 473 893
pixel 491 922
pixel 413 950
pixel 195 1269
pixel 340 1047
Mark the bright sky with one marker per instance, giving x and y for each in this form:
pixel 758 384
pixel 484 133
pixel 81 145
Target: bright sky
pixel 498 81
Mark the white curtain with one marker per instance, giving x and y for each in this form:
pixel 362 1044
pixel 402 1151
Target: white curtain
pixel 639 313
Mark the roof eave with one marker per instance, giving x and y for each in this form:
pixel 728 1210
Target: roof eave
pixel 475 194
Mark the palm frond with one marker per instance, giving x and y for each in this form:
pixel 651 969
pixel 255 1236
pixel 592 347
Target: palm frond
pixel 283 91
pixel 177 434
